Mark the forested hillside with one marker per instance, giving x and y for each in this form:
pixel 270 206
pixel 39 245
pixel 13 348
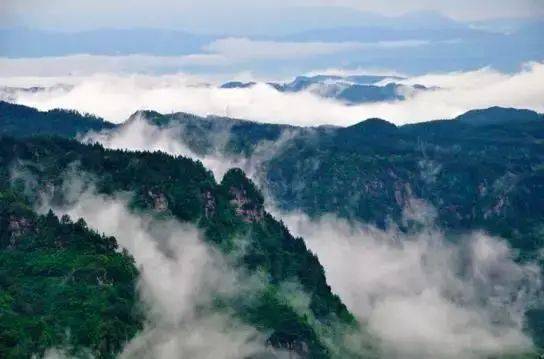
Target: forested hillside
pixel 183 189
pixel 20 121
pixel 62 285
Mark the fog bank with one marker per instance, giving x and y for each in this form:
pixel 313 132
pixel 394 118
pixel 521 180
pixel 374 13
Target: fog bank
pixel 116 96
pixel 426 294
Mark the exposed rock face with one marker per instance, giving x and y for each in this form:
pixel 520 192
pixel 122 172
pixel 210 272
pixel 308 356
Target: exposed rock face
pixel 18 226
pixel 160 203
pixel 209 204
pixel 247 201
pixel 244 207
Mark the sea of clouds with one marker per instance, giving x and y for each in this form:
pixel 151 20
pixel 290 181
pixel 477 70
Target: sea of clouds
pixel 116 95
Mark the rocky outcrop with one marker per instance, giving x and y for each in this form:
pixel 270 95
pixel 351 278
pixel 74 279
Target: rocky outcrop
pixel 210 204
pixel 244 196
pixel 245 207
pixel 160 202
pixel 17 227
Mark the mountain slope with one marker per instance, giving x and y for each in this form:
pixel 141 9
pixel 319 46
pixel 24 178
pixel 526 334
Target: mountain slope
pixel 21 121
pixel 227 213
pixel 62 285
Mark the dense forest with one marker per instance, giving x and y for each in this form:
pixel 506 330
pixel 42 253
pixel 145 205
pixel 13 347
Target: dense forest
pixel 62 285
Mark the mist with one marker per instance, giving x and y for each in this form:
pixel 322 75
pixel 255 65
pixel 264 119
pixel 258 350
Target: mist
pixel 116 96
pixel 138 134
pixel 426 294
pixel 180 278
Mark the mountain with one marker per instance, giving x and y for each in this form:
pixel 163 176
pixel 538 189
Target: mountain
pixel 18 121
pixel 62 284
pixel 355 89
pixel 237 85
pixel 477 177
pixel 480 170
pixel 498 116
pixel 229 214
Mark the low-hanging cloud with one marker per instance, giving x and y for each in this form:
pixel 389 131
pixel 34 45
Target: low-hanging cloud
pixel 115 97
pixel 180 278
pixel 139 134
pixel 424 295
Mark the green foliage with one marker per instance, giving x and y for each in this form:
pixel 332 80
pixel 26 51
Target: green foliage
pixel 62 285
pixel 22 121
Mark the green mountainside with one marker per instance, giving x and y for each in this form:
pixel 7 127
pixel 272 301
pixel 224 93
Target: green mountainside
pixel 21 121
pixel 482 170
pixel 62 285
pixel 183 189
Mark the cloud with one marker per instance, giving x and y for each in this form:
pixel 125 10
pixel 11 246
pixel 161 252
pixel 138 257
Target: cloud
pixel 180 279
pixel 217 54
pixel 140 135
pixel 243 49
pixel 115 97
pixel 424 295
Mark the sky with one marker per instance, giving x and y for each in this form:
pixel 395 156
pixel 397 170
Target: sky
pixel 236 16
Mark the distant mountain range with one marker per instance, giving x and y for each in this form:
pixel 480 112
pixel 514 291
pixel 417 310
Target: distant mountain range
pixel 442 43
pixel 352 90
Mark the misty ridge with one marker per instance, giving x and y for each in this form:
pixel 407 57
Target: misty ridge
pixel 403 279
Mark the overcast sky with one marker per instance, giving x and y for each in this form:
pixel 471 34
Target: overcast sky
pixel 237 16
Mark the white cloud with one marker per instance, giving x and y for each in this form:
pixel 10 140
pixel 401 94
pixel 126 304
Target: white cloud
pixel 423 295
pixel 115 97
pixel 243 49
pixel 141 135
pixel 222 52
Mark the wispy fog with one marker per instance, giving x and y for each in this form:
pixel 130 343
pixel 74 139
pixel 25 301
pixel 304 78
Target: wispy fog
pixel 426 294
pixel 180 277
pixel 138 134
pixel 115 97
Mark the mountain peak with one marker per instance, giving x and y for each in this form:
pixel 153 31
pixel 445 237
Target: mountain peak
pixel 375 125
pixel 497 115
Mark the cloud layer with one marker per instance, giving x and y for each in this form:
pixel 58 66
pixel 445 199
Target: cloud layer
pixel 425 295
pixel 116 97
